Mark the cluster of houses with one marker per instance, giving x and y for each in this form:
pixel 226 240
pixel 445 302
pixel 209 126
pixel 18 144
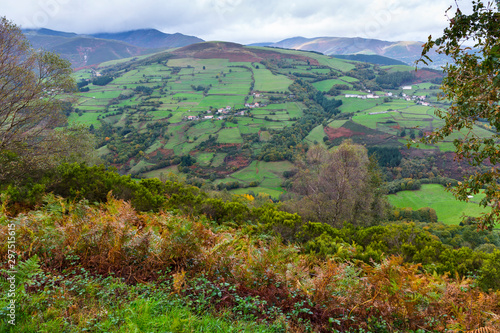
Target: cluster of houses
pixel 418 99
pixel 361 96
pixel 220 114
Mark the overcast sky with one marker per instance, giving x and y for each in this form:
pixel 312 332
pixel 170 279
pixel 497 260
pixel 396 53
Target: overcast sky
pixel 242 21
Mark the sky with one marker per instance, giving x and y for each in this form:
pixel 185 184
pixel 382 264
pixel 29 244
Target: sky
pixel 241 21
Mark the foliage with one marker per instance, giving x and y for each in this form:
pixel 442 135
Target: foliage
pixel 386 156
pixel 102 80
pixel 179 264
pixel 425 214
pixel 472 85
pixel 394 80
pixel 31 85
pixel 338 186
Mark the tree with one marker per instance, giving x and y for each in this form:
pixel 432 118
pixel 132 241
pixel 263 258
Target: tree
pixel 472 84
pixel 338 186
pixel 31 83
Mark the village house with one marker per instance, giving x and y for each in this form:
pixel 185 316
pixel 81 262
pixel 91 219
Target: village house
pixel 255 105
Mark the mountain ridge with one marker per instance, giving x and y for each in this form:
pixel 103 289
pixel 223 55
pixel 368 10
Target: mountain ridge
pixel 405 51
pixel 102 47
pixel 87 50
pixel 151 38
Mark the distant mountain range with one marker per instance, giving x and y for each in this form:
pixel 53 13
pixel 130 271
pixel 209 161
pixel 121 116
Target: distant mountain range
pixel 405 51
pixel 151 38
pixel 87 50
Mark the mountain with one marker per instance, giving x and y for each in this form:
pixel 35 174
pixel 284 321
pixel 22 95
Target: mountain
pixel 88 50
pixel 371 58
pixel 151 38
pixel 405 51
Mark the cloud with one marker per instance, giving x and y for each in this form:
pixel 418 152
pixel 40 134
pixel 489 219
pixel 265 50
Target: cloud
pixel 241 21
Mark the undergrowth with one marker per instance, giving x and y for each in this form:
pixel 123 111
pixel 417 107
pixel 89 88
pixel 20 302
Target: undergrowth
pixel 109 268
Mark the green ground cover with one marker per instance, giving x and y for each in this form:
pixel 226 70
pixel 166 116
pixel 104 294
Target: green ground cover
pixel 87 118
pixel 349 79
pixel 316 136
pixel 218 159
pixel 204 158
pixel 229 135
pixel 219 101
pixel 267 81
pixel 273 193
pixel 398 68
pixel 449 210
pixel 336 123
pixel 165 172
pixel 356 104
pixel 326 85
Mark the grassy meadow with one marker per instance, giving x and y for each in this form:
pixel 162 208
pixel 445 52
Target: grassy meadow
pixel 449 210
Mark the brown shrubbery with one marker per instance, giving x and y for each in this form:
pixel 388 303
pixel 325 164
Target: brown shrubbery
pixel 322 293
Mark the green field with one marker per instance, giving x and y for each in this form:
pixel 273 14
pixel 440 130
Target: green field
pixel 200 104
pixel 326 85
pixel 449 210
pixel 267 81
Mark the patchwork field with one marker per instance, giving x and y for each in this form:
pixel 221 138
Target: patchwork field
pixel 224 109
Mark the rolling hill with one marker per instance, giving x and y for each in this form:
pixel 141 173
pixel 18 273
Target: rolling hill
pixel 235 116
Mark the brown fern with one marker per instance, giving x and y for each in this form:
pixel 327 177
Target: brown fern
pixel 485 329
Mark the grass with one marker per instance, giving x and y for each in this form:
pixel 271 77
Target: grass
pixel 87 118
pixel 316 136
pixel 268 174
pixel 356 104
pixel 204 158
pixel 218 159
pixel 326 85
pixel 267 81
pixel 273 193
pixel 449 210
pixel 230 135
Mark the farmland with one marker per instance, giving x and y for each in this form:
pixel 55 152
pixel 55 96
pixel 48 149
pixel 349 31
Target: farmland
pixel 225 106
pixel 448 209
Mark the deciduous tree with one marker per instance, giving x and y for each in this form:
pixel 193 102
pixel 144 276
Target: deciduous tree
pixel 31 83
pixel 337 186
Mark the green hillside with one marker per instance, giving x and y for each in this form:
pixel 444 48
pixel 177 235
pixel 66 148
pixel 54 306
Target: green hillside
pixel 228 106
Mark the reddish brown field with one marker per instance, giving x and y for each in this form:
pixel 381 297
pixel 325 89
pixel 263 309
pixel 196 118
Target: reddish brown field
pixel 334 133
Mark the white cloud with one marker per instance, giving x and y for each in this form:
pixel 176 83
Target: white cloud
pixel 241 21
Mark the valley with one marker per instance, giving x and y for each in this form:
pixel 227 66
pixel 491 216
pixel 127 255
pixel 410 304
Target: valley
pixel 233 117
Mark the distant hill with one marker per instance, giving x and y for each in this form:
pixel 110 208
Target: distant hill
pixel 371 58
pixel 87 50
pixel 405 51
pixel 151 38
pixel 232 52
